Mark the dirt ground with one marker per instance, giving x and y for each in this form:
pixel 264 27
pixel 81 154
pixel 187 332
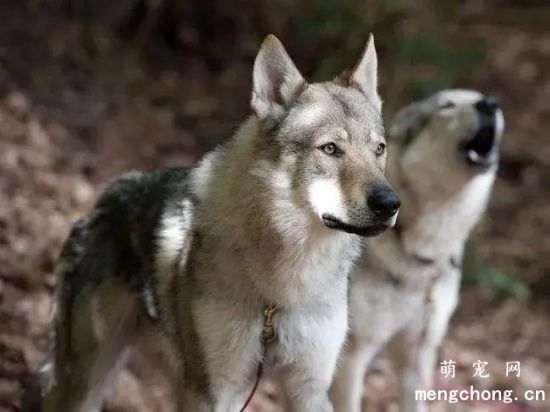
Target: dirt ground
pixel 71 119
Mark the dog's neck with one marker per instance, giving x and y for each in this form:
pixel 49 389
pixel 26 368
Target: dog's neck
pixel 437 228
pixel 285 246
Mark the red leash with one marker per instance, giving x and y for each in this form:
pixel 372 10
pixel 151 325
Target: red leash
pixel 255 387
pixel 269 334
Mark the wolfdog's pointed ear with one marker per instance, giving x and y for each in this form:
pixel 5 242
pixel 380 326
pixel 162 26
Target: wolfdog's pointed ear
pixel 276 80
pixel 364 76
pixel 408 122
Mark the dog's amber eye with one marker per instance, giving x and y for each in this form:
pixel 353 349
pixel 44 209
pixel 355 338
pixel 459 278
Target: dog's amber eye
pixel 331 149
pixel 381 149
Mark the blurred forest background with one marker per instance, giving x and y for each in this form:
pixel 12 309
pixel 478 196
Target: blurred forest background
pixel 89 89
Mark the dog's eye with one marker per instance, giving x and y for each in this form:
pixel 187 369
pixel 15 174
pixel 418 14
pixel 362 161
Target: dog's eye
pixel 380 149
pixel 447 105
pixel 331 149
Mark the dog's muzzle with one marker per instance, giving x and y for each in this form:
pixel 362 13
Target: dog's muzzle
pixel 481 150
pixel 384 205
pixel 364 231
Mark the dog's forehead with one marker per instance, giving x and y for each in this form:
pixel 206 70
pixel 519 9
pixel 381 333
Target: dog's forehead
pixel 326 105
pixel 457 96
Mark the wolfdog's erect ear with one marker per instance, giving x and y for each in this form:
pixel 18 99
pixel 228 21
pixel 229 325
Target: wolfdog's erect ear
pixel 409 121
pixel 276 80
pixel 364 76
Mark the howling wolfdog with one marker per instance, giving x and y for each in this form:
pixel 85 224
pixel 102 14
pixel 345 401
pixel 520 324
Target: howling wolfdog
pixel 405 288
pixel 238 262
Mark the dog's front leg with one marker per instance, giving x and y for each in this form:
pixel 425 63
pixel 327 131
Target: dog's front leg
pixel 191 400
pixel 413 351
pixel 307 387
pixel 219 383
pixel 221 393
pixel 221 353
pixel 346 393
pixel 308 376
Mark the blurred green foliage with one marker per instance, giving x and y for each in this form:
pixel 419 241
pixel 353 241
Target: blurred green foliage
pixel 420 50
pixel 419 53
pixel 433 64
pixel 499 282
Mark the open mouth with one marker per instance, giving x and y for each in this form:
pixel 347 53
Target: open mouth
pixel 365 231
pixel 481 150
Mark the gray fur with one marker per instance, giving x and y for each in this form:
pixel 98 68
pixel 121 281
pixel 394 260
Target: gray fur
pixel 189 259
pixel 405 287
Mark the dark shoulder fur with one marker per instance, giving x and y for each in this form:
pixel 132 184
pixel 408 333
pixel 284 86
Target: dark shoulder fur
pixel 117 238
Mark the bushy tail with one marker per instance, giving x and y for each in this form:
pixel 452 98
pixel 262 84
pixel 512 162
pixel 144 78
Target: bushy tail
pixel 67 267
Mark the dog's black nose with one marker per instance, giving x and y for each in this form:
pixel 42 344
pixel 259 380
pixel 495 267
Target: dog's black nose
pixel 487 106
pixel 383 201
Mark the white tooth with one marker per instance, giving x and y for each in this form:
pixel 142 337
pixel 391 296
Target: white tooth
pixel 393 219
pixel 474 157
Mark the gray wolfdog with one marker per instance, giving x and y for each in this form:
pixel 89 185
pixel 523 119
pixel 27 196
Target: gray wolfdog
pixel 405 287
pixel 257 240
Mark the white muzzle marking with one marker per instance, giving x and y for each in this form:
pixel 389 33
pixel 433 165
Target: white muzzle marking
pixel 326 197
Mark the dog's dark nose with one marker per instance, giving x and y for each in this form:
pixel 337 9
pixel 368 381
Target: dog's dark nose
pixel 487 106
pixel 383 201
